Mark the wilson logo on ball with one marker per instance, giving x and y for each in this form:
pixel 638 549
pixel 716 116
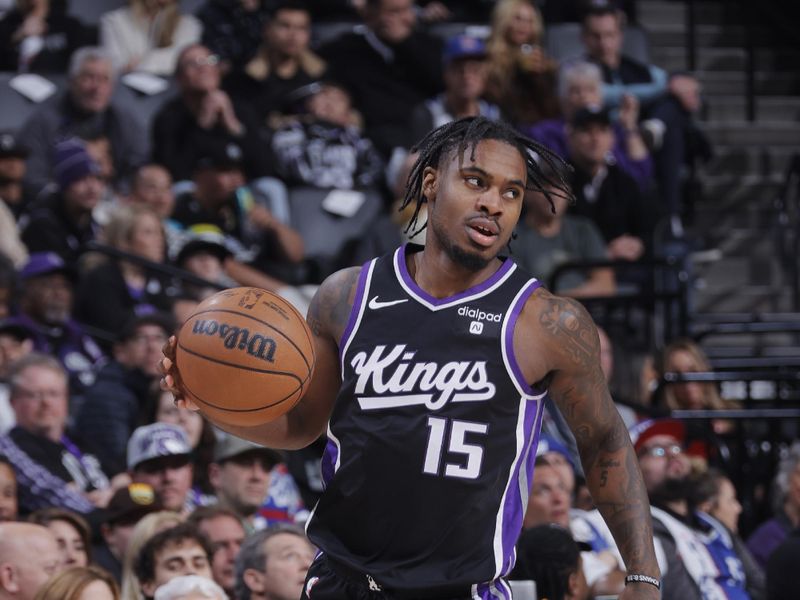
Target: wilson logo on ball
pixel 255 345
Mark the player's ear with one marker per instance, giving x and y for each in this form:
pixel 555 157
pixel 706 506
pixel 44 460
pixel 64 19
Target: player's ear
pixel 430 182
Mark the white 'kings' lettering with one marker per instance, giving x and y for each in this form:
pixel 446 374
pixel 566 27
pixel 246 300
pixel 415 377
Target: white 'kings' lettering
pixel 391 373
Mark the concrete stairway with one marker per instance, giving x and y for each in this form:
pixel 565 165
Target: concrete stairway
pixel 736 213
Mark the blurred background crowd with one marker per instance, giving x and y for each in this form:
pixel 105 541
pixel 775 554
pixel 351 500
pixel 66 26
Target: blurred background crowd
pixel 153 152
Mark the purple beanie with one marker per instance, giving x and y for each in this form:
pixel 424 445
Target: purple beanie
pixel 72 162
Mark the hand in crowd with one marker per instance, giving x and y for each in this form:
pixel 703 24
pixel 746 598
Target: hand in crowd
pixel 625 247
pixel 532 58
pixel 262 218
pixel 435 12
pixel 629 112
pixel 687 91
pixel 217 108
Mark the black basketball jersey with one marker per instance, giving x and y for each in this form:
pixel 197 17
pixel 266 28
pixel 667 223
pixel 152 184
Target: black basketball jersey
pixel 432 439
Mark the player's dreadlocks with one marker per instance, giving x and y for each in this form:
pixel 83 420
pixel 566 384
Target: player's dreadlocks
pixel 545 168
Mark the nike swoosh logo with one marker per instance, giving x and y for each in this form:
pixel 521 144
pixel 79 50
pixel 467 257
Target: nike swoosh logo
pixel 375 304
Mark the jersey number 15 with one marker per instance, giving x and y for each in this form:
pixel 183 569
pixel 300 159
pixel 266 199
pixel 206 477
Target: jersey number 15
pixel 457 444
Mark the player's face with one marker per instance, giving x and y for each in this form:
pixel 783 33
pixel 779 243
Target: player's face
pixel 727 508
pixel 226 535
pixel 288 558
pixel 474 202
pixel 549 499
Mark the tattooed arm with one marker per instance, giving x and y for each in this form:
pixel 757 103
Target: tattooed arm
pixel 568 340
pixel 327 319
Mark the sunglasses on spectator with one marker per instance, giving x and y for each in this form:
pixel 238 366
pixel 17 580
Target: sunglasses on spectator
pixel 662 451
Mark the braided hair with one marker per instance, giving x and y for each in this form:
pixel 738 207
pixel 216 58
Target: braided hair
pixel 545 169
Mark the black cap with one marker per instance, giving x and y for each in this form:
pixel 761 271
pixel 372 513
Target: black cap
pixel 217 154
pixel 16 329
pixel 162 320
pixel 11 147
pixel 590 115
pixel 131 503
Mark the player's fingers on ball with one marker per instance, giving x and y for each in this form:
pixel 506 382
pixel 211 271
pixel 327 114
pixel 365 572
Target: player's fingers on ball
pixel 168 349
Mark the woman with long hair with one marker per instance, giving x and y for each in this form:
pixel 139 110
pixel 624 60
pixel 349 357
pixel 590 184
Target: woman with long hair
pixel 71 531
pixel 129 290
pixel 522 78
pixel 147 35
pixel 80 583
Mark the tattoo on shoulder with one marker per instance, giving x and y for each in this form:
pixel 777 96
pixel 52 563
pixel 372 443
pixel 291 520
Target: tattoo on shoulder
pixel 568 320
pixel 330 308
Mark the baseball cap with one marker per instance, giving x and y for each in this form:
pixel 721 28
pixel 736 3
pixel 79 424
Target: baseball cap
pixel 162 320
pixel 231 446
pixel 10 146
pixel 45 263
pixel 550 444
pixel 16 329
pixel 131 503
pixel 463 46
pixel 155 441
pixel 590 115
pixel 217 154
pixel 203 238
pixel 641 432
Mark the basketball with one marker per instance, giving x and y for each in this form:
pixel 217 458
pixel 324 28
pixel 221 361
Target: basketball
pixel 245 356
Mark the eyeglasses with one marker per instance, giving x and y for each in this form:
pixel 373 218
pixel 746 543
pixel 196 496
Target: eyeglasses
pixel 662 451
pixel 199 61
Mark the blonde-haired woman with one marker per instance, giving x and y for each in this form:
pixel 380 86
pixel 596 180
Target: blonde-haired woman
pixel 80 583
pixel 129 290
pixel 147 35
pixel 685 356
pixel 145 529
pixel 522 78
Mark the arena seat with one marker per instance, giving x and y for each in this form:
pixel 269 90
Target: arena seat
pixel 327 235
pixel 563 42
pixel 16 107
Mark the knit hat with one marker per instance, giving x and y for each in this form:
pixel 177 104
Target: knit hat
pixel 72 163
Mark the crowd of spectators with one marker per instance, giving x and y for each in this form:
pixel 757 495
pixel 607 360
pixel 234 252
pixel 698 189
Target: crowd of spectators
pixel 107 490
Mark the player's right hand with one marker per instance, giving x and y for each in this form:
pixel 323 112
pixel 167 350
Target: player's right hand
pixel 171 380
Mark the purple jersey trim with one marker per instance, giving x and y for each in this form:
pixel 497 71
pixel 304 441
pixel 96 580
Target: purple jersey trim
pixel 493 590
pixel 513 510
pixel 514 313
pixel 358 302
pixel 328 464
pixel 402 268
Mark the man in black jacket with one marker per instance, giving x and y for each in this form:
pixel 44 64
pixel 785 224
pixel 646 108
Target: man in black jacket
pixel 114 404
pixel 389 68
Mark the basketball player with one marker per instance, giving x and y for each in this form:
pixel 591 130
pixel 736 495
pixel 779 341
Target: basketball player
pixel 432 368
